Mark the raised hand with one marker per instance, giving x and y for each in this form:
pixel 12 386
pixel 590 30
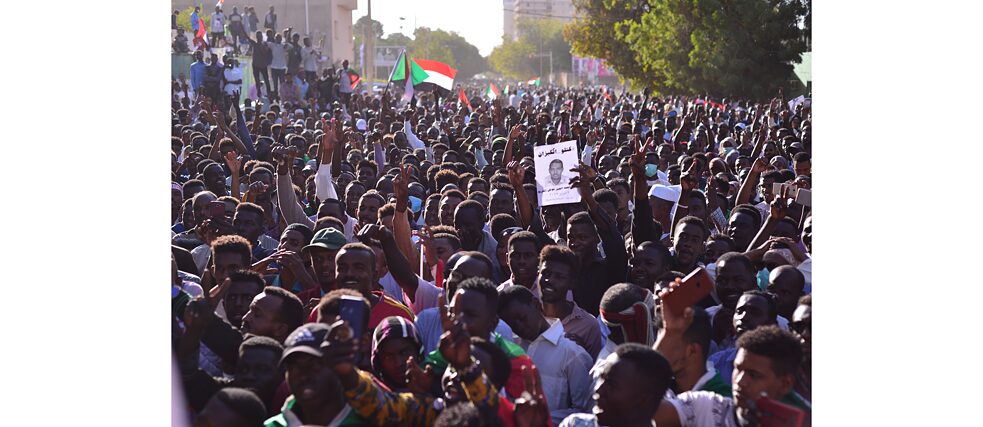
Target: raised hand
pixel 232 161
pixel 690 179
pixel 339 348
pixel 530 407
pixel 418 380
pixel 401 188
pixel 516 174
pixel 455 345
pixel 673 321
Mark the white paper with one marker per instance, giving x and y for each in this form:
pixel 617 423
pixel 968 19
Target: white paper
pixel 553 164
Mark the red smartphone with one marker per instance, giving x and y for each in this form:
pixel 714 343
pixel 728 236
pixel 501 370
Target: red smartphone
pixel 215 209
pixel 777 414
pixel 696 286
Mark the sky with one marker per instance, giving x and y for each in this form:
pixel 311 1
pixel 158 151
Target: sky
pixel 478 21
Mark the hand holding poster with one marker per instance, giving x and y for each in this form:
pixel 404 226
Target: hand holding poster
pixel 553 164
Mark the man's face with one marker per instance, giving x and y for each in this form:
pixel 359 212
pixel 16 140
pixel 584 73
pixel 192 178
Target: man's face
pixel 555 280
pixel 787 289
pixel 291 241
pixel 392 355
pixel 310 379
pixel 237 301
pixel 352 196
pixel 225 263
pixel 807 233
pixel 803 168
pixel 501 202
pixel 582 239
pixel 618 392
pixel 522 258
pixel 688 243
pixel 733 279
pixel 257 370
pixel 556 170
pixel 751 312
pixel 323 264
pixel 214 178
pixel 715 248
pixel 524 319
pixel 366 175
pixel 332 210
pixel 753 374
pixel 355 270
pixel 770 150
pixel 466 268
pixel 765 188
pixel 741 228
pixel 448 204
pixel 644 267
pixel 248 225
pixel 368 210
pixel 263 318
pixel 469 223
pixel 472 310
pixel 802 325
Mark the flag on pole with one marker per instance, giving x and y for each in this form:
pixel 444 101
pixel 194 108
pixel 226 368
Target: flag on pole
pixel 534 81
pixel 507 91
pixel 440 76
pixel 219 3
pixel 409 68
pixel 464 99
pixel 202 33
pixel 492 91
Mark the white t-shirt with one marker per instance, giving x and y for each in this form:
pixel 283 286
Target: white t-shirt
pixel 704 408
pixel 232 74
pixel 309 58
pixel 279 56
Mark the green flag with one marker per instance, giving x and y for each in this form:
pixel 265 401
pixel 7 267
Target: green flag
pixel 399 71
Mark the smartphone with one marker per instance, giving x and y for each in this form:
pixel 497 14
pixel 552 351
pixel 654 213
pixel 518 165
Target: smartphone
pixel 778 414
pixel 778 186
pixel 353 311
pixel 804 197
pixel 215 209
pixel 696 286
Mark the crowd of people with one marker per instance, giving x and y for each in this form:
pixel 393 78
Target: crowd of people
pixel 285 66
pixel 360 260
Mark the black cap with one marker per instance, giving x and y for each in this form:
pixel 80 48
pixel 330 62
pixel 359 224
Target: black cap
pixel 305 339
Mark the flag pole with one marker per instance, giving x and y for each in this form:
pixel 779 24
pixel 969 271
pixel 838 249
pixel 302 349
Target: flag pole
pixel 386 90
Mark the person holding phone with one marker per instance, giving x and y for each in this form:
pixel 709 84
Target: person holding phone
pixel 766 364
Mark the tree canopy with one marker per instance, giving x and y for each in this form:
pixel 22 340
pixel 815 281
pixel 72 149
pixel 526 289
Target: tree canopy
pixel 437 45
pixel 519 59
pixel 733 47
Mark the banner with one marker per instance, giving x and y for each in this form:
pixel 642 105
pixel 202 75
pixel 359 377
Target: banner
pixel 553 164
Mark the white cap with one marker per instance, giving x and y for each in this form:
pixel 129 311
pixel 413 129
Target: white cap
pixel 669 193
pixel 360 124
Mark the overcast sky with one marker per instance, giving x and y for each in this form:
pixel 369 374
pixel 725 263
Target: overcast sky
pixel 478 21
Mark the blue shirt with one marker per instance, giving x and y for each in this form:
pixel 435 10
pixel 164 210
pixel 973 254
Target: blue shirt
pixel 194 22
pixel 197 74
pixel 723 362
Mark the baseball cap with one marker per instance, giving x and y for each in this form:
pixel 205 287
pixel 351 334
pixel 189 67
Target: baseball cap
pixel 305 339
pixel 329 238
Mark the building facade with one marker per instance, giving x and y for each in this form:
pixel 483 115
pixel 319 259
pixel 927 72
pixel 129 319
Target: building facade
pixel 508 21
pixel 562 10
pixel 330 19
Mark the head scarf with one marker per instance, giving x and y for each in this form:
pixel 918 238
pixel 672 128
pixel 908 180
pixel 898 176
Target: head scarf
pixel 393 327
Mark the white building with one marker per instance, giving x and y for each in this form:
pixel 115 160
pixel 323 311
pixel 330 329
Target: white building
pixel 562 10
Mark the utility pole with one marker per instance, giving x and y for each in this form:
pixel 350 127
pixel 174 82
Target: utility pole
pixel 369 38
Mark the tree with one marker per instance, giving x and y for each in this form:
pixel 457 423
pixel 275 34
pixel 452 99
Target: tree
pixel 520 59
pixel 184 20
pixel 359 31
pixel 397 39
pixel 725 48
pixel 449 48
pixel 594 34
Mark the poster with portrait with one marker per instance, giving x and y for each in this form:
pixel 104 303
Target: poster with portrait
pixel 553 164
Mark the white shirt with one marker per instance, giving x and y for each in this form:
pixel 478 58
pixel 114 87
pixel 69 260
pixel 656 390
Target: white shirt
pixel 232 74
pixel 806 268
pixel 309 58
pixel 711 371
pixel 563 368
pixel 704 408
pixel 279 55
